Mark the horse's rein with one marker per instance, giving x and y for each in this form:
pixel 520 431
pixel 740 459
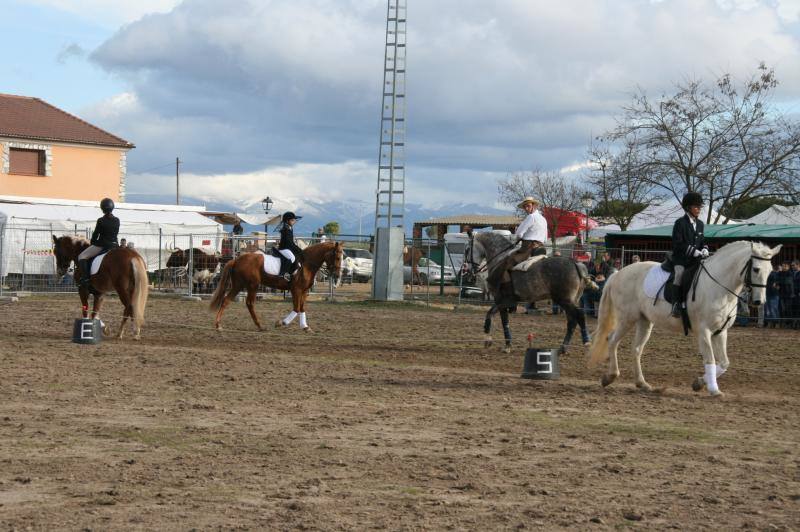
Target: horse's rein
pixel 488 261
pixel 748 277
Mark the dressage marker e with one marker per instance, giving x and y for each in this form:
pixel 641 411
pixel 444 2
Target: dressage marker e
pixel 87 331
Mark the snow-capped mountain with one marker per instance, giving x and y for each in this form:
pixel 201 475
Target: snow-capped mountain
pixel 351 215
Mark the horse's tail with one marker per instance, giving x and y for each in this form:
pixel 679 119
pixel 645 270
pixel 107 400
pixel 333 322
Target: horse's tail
pixel 583 274
pixel 222 287
pixel 606 321
pixel 140 289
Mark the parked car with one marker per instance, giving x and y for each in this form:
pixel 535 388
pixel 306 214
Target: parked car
pixel 358 264
pixel 429 272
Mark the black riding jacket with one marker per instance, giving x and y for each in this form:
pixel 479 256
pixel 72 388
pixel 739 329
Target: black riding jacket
pixel 685 240
pixel 287 241
pixel 106 231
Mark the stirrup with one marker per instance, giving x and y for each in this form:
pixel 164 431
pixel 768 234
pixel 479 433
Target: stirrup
pixel 676 310
pixel 288 277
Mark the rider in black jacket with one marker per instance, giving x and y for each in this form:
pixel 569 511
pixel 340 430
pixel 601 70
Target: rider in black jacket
pixel 104 238
pixel 287 246
pixel 688 242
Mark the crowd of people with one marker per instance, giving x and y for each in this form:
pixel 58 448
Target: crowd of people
pixel 782 308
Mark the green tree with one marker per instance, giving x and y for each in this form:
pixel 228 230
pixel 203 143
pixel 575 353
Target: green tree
pixel 331 228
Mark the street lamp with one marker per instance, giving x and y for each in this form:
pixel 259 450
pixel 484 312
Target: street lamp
pixel 587 201
pixel 267 204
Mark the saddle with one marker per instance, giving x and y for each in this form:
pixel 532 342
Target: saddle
pixel 286 264
pixel 671 294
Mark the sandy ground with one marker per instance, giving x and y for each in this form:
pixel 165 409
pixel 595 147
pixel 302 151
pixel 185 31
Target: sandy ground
pixel 387 416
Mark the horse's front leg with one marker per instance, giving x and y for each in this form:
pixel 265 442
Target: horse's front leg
pixel 719 345
pixel 487 326
pixel 296 309
pixel 506 329
pixel 97 302
pixel 302 313
pixel 704 342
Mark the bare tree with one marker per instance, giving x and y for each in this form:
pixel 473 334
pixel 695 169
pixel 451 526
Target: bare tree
pixel 558 196
pixel 726 141
pixel 619 182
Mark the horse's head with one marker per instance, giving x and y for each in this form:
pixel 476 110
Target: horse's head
pixel 484 247
pixel 66 249
pixel 334 261
pixel 760 266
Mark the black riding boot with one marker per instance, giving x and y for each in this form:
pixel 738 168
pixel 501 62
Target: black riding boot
pixel 83 266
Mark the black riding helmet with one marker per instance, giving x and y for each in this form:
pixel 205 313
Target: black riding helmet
pixel 289 216
pixel 107 205
pixel 691 199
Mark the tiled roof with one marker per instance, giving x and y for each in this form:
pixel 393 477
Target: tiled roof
pixel 23 117
pixel 472 219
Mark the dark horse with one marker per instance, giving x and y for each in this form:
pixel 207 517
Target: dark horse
pixel 560 279
pixel 247 272
pixel 123 270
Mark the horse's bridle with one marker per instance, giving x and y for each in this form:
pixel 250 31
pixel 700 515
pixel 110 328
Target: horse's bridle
pixel 472 262
pixel 748 277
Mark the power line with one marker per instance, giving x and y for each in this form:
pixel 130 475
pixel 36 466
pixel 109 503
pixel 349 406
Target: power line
pixel 154 168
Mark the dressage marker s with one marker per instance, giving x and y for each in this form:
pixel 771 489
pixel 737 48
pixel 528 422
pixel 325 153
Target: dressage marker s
pixel 541 363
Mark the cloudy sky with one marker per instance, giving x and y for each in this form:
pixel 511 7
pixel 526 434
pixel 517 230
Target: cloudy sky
pixel 281 97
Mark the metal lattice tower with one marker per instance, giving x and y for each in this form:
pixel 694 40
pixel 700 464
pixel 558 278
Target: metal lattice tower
pixel 390 196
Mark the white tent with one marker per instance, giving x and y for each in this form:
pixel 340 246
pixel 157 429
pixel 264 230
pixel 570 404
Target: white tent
pixel 778 215
pixel 27 226
pixel 664 213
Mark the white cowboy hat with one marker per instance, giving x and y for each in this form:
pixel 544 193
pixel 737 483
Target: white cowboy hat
pixel 528 199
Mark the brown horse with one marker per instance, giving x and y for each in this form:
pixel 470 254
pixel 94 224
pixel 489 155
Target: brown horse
pixel 123 270
pixel 247 272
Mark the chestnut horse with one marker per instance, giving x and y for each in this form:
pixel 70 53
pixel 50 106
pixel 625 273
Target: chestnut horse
pixel 123 270
pixel 247 272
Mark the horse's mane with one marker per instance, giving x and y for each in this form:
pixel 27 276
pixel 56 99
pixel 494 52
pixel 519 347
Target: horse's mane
pixel 492 239
pixel 759 248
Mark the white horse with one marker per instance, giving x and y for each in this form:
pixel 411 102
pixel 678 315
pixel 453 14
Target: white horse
pixel 711 310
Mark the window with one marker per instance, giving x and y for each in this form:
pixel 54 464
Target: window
pixel 26 162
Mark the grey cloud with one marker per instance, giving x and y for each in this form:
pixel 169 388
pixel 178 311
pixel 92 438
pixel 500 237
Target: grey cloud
pixel 70 51
pixel 492 86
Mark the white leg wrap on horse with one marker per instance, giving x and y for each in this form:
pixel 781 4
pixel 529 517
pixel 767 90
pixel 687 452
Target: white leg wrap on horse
pixel 711 378
pixel 289 318
pixel 720 371
pixel 303 322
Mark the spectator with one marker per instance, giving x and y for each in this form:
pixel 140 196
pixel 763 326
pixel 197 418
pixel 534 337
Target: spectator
pixel 123 242
pixel 606 265
pixel 617 264
pixel 635 258
pixel 237 229
pixel 785 294
pixel 772 308
pixel 128 245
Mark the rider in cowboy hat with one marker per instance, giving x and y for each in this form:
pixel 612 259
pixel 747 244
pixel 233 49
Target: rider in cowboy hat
pixel 688 245
pixel 104 238
pixel 287 246
pixel 533 233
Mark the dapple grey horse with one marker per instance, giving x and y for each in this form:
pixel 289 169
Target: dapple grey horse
pixel 559 279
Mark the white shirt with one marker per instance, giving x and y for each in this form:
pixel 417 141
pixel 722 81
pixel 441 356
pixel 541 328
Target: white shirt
pixel 533 227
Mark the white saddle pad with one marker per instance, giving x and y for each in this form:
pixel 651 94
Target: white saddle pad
pixel 654 280
pixel 98 260
pixel 525 265
pixel 272 264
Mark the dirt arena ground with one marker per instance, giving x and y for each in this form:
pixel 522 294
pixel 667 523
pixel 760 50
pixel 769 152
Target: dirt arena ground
pixel 386 417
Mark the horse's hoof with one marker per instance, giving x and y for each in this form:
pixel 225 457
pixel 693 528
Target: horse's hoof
pixel 278 324
pixel 137 337
pixel 644 386
pixel 587 343
pixel 607 379
pixel 308 330
pixel 507 349
pixel 698 384
pixel 562 350
pixel 717 395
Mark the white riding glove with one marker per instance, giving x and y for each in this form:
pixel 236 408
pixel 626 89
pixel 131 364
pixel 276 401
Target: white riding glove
pixel 704 253
pixel 697 253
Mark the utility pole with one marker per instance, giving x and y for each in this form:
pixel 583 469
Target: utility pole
pixel 177 181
